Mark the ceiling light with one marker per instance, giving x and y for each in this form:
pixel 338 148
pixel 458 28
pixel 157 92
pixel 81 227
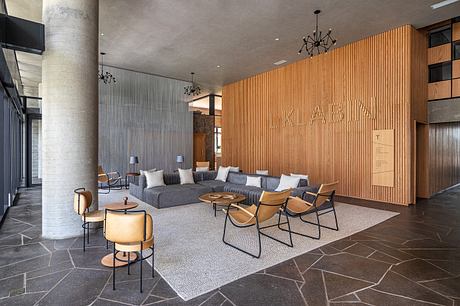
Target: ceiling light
pixel 102 34
pixel 277 39
pixel 280 62
pixel 106 77
pixel 317 43
pixel 193 89
pixel 218 66
pixel 442 3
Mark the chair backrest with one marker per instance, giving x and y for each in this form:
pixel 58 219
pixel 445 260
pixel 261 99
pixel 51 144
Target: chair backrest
pixel 82 200
pixel 132 226
pixel 326 193
pixel 270 202
pixel 101 175
pixel 202 164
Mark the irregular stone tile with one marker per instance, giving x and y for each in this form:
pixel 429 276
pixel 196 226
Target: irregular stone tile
pixel 313 290
pixel 347 298
pixel 33 232
pixel 329 250
pixel 162 289
pixel 63 244
pixel 305 261
pixel 10 227
pixel 11 284
pixel 227 303
pixel 385 258
pixel 337 285
pixel 396 284
pixel 373 297
pixel 388 250
pixel 152 299
pixel 427 244
pixel 25 266
pixel 216 299
pixel 450 266
pixel 128 292
pixel 21 300
pixel 349 304
pixel 96 239
pixel 15 254
pixel 80 287
pixel 46 282
pixel 354 266
pixel 439 254
pixel 59 256
pixel 50 269
pixel 104 302
pixel 49 244
pixel 287 269
pixel 360 250
pixel 257 289
pixel 10 241
pixel 419 270
pixel 449 286
pixel 91 258
pixel 122 272
pixel 342 244
pixel 362 237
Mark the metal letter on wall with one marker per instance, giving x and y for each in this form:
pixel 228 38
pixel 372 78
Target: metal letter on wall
pixel 383 158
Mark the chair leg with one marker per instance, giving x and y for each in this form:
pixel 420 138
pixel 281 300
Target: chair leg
pixel 153 261
pixel 84 237
pixel 290 244
pixel 241 250
pixel 301 234
pixel 88 232
pixel 129 263
pixel 113 267
pixel 141 269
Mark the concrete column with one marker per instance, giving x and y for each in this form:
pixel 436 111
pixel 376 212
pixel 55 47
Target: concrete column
pixel 70 111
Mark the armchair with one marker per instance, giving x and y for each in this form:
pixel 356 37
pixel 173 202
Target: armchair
pixel 110 179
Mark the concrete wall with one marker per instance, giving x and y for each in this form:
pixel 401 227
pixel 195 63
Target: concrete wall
pixel 143 115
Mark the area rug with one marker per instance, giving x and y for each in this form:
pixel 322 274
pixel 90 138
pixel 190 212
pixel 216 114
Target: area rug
pixel 191 257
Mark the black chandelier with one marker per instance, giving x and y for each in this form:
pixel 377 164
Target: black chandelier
pixel 317 43
pixel 106 77
pixel 193 89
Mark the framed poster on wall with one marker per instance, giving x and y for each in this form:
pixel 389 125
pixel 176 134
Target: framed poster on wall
pixel 383 158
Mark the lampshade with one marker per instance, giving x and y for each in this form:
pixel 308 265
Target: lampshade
pixel 133 160
pixel 179 158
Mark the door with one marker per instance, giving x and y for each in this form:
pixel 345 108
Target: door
pixel 34 149
pixel 199 147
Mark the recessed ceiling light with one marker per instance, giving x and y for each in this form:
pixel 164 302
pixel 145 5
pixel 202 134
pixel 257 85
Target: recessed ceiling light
pixel 280 62
pixel 442 3
pixel 277 38
pixel 102 34
pixel 218 66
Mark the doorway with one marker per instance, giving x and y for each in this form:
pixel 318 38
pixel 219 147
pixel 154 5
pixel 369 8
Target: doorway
pixel 34 150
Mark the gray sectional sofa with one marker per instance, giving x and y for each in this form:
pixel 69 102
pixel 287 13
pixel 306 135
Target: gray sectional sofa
pixel 174 194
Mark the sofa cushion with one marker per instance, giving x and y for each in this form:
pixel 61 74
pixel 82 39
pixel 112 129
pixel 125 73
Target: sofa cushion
pixel 252 193
pixel 186 176
pixel 222 174
pixel 217 186
pixel 154 179
pixel 236 178
pixel 171 178
pixel 288 182
pixel 173 195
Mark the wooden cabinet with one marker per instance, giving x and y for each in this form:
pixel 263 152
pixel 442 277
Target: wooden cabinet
pixel 439 54
pixel 439 90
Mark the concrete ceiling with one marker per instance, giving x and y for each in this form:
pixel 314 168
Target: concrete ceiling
pixel 174 37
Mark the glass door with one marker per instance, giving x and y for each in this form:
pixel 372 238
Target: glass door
pixel 34 149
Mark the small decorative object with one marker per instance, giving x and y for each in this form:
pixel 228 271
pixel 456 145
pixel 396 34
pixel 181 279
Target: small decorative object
pixel 193 89
pixel 317 43
pixel 125 200
pixel 133 160
pixel 180 160
pixel 106 77
pixel 215 196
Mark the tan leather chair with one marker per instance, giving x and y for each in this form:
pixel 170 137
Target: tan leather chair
pixel 130 231
pixel 270 203
pixel 322 203
pixel 82 201
pixel 108 180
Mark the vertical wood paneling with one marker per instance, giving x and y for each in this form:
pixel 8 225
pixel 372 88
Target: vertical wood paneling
pixel 373 68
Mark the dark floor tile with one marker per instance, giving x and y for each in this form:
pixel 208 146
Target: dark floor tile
pixel 305 261
pixel 337 285
pixel 383 257
pixel 419 270
pixel 33 232
pixel 91 258
pixel 436 254
pixel 342 244
pixel 129 292
pixel 11 285
pixel 10 241
pixel 10 227
pixel 313 290
pixel 329 250
pixel 347 298
pixel 163 290
pixel 373 297
pixel 448 287
pixel 80 287
pixel 59 256
pixel 216 299
pixel 22 300
pixel 152 299
pixel 134 269
pixel 360 250
pixel 259 289
pixel 427 244
pixel 46 282
pixel 379 246
pixel 396 284
pixel 452 267
pixel 349 304
pixel 104 302
pixel 64 244
pixel 287 269
pixel 50 269
pixel 96 239
pixel 15 254
pixel 25 266
pixel 353 266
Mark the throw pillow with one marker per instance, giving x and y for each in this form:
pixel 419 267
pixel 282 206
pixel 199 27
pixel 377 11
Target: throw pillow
pixel 234 169
pixel 186 176
pixel 202 169
pixel 302 177
pixel 253 181
pixel 142 172
pixel 222 174
pixel 262 172
pixel 154 179
pixel 287 182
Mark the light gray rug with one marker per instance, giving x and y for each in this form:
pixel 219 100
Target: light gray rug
pixel 191 257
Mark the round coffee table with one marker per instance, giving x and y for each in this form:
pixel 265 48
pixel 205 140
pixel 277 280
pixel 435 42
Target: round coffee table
pixel 122 257
pixel 221 199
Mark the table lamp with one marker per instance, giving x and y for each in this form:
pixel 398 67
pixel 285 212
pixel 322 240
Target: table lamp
pixel 133 160
pixel 180 159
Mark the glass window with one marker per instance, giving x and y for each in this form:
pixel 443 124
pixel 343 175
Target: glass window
pixel 440 37
pixel 440 72
pixel 218 142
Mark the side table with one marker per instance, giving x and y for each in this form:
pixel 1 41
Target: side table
pixel 128 175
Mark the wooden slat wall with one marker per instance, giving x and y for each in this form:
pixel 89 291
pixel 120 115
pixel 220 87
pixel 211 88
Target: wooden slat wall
pixel 444 155
pixel 375 67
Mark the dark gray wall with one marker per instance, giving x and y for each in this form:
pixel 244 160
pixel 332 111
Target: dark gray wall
pixel 143 115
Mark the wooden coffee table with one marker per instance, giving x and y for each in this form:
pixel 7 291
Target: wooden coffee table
pixel 221 199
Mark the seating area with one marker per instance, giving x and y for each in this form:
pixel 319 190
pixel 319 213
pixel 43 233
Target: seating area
pixel 229 152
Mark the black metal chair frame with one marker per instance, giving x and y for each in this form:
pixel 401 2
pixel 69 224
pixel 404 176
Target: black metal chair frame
pixel 85 225
pixel 259 229
pixel 110 185
pixel 318 214
pixel 141 258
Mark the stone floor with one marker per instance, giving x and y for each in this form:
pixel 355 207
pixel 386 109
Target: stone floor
pixel 412 259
